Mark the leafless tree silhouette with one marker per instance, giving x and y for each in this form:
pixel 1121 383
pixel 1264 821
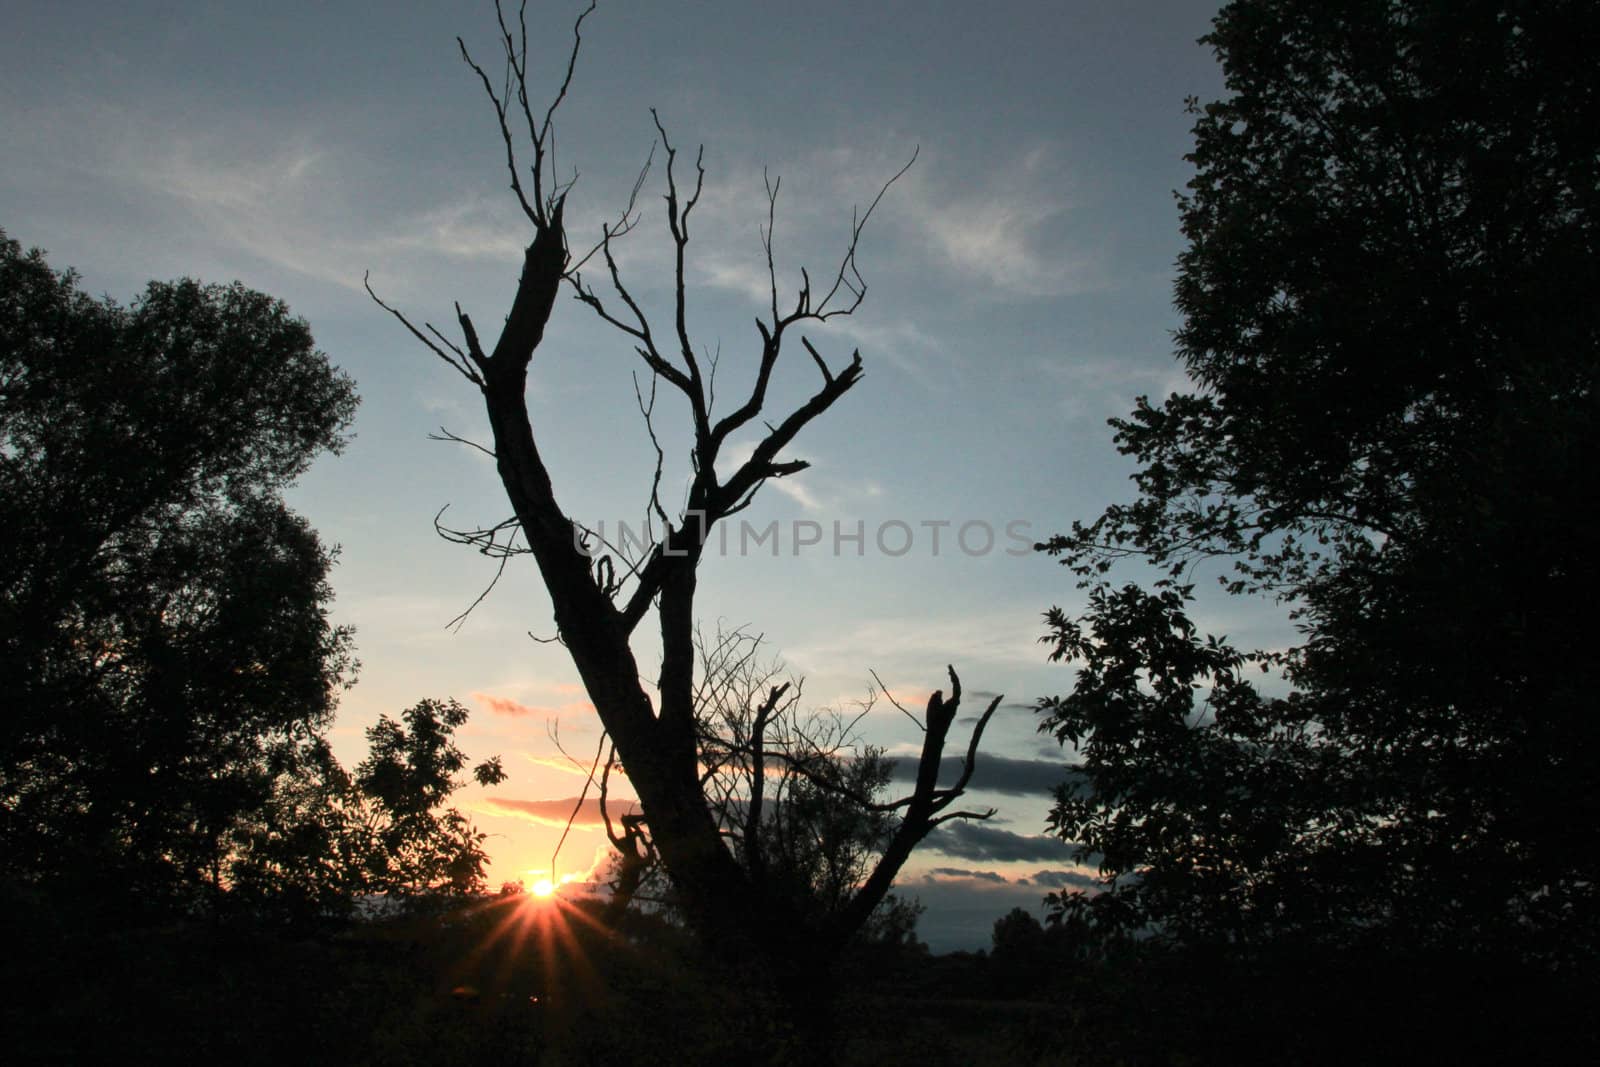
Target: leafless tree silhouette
pixel 601 597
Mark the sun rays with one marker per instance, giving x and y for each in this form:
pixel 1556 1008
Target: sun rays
pixel 540 939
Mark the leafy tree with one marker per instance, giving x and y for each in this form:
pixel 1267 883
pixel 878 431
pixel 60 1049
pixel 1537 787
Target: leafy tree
pixel 1016 933
pixel 164 638
pixel 599 604
pixel 327 837
pixel 1390 328
pixel 400 786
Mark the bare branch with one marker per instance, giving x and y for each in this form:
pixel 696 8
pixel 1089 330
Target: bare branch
pixel 456 623
pixel 827 375
pixel 460 366
pixel 847 266
pixel 625 223
pixel 446 435
pixel 566 82
pixel 978 815
pixel 578 807
pixel 901 707
pixel 647 409
pixel 535 214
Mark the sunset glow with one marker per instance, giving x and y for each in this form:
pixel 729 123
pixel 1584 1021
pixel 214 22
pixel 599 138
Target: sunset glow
pixel 543 888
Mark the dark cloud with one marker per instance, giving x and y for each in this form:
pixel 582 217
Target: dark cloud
pixel 995 774
pixel 1010 709
pixel 975 841
pixel 959 872
pixel 1056 879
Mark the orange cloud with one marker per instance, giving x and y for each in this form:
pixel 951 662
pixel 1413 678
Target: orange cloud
pixel 557 763
pixel 503 706
pixel 556 812
pixel 562 763
pixel 509 707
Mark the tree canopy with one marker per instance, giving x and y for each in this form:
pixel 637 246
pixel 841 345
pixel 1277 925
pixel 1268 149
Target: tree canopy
pixel 327 837
pixel 1389 326
pixel 163 615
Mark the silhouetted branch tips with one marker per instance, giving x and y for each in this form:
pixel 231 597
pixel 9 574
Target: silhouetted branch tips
pixel 588 783
pixel 898 706
pixel 459 365
pixel 822 365
pixel 447 436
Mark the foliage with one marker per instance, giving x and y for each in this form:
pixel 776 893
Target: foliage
pixel 327 837
pixel 164 640
pixel 399 787
pixel 1389 324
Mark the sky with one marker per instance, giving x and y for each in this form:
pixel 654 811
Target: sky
pixel 1020 278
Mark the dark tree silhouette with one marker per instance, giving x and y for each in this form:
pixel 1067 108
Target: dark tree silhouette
pixel 164 640
pixel 327 837
pixel 598 605
pixel 797 795
pixel 1390 326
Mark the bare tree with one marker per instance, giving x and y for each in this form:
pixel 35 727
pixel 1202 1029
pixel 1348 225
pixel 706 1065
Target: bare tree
pixel 796 793
pixel 598 605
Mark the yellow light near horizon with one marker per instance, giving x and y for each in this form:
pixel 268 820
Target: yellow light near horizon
pixel 543 887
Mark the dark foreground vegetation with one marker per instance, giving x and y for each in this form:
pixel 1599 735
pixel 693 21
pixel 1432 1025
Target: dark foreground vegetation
pixel 509 980
pixel 1376 845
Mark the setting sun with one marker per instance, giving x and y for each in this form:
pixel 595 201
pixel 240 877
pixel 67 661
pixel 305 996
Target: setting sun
pixel 543 888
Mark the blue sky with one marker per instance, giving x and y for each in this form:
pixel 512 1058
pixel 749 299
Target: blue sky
pixel 1020 282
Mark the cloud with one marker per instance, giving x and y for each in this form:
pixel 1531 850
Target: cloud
pixel 798 492
pixel 553 812
pixel 1002 636
pixel 1007 234
pixel 561 763
pixel 511 708
pixel 924 357
pixel 1009 707
pixel 1093 388
pixel 982 876
pixel 505 706
pixel 472 228
pixel 975 841
pixel 813 490
pixel 995 774
pixel 1061 879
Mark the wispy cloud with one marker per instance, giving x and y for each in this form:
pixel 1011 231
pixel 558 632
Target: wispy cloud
pixel 471 228
pixel 504 706
pixel 499 705
pixel 1080 878
pixel 1011 234
pixel 557 763
pixel 981 876
pixel 1096 388
pixel 994 638
pixel 584 815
